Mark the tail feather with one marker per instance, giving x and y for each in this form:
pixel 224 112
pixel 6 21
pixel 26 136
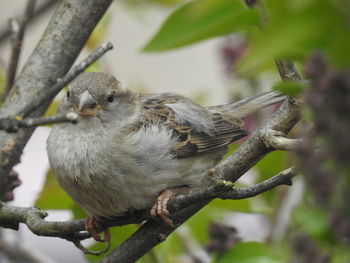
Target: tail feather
pixel 250 105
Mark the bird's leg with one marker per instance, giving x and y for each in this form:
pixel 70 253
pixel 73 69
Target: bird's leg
pixel 94 226
pixel 159 208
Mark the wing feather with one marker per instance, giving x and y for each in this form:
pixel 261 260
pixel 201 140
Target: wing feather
pixel 198 130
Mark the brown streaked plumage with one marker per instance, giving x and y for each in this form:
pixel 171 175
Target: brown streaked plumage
pixel 225 128
pixel 128 148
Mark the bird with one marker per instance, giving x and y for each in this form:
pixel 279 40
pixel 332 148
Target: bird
pixel 132 151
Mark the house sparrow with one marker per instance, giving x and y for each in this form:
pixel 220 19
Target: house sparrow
pixel 131 151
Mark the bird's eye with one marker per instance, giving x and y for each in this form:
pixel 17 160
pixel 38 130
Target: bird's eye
pixel 68 94
pixel 110 98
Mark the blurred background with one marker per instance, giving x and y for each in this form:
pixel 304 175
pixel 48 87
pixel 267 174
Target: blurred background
pixel 214 52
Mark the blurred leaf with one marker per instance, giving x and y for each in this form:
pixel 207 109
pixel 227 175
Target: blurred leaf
pixel 2 80
pixel 199 223
pixel 143 3
pixel 338 49
pixel 52 196
pixel 199 20
pixel 151 257
pixel 99 32
pixel 77 212
pixel 168 2
pixel 295 29
pixel 94 67
pixel 231 148
pixel 242 205
pixel 214 211
pixel 292 88
pixel 313 221
pixel 52 110
pixel 270 165
pixel 250 252
pixel 259 204
pixel 167 250
pixel 341 255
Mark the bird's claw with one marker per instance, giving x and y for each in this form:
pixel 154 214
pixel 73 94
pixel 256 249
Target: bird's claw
pixel 160 206
pixel 94 227
pixel 89 252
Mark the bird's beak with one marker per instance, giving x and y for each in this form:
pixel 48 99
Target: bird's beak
pixel 86 106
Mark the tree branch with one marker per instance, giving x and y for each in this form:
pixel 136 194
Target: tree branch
pixel 278 141
pixel 226 190
pixel 17 45
pixel 12 216
pixel 34 218
pixel 12 125
pixel 66 34
pixel 287 70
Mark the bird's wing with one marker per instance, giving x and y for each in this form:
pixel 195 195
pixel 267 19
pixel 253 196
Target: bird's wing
pixel 198 130
pixel 247 106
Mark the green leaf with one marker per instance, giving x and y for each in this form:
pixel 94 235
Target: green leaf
pixel 78 213
pixel 214 211
pixel 270 165
pixel 199 223
pixel 2 80
pixel 313 221
pixel 52 196
pixel 202 19
pixel 94 67
pixel 250 252
pixel 295 29
pixel 242 205
pixel 52 110
pixel 340 255
pixel 166 251
pixel 292 88
pixel 167 2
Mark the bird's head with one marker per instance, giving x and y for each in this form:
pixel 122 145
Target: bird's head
pixel 96 94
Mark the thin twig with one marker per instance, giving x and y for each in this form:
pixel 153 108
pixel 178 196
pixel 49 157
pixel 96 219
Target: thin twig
pixel 278 141
pixel 17 45
pixel 99 52
pixel 12 124
pixel 12 216
pixel 5 32
pixel 287 70
pixel 226 190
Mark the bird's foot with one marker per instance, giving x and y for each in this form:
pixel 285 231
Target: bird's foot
pixel 160 206
pixel 94 226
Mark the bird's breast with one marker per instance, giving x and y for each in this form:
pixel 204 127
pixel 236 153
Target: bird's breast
pixel 108 174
